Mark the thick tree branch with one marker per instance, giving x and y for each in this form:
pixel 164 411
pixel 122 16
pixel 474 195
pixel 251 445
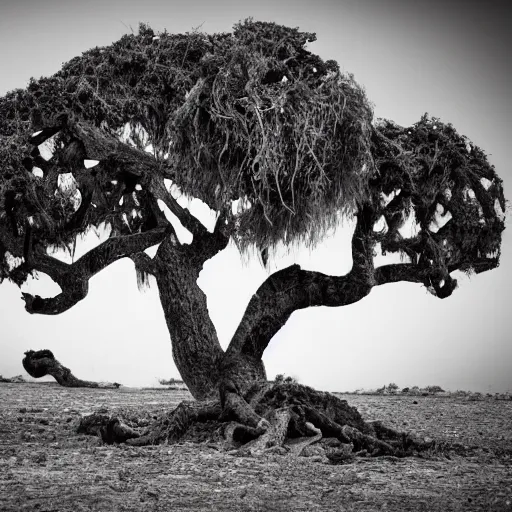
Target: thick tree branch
pixel 292 288
pixel 96 144
pixel 287 291
pixel 116 248
pixel 100 146
pixel 399 272
pixel 157 188
pixel 73 279
pixel 435 279
pixel 103 147
pixel 47 264
pixel 72 293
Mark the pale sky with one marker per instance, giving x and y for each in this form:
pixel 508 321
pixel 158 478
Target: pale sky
pixel 447 58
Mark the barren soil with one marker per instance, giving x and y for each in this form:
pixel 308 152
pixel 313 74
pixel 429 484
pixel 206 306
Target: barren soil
pixel 46 466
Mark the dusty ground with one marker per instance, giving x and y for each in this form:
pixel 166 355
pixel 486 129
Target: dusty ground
pixel 46 466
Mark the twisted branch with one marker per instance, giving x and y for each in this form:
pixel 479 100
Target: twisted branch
pixel 74 278
pixel 292 288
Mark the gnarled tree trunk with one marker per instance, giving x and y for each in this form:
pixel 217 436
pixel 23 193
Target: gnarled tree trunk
pixel 206 369
pixel 195 347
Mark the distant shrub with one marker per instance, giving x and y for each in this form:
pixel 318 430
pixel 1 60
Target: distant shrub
pixel 392 388
pixel 175 383
pixel 434 389
pixel 428 390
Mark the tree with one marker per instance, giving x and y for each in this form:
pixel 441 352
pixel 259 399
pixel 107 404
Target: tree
pixel 253 117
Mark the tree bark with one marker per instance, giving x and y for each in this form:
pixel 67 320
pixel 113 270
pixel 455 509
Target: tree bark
pixel 195 347
pixel 205 368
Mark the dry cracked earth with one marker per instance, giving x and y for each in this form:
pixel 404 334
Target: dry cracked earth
pixel 46 466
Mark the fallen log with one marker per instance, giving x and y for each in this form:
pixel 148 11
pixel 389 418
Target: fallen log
pixel 42 362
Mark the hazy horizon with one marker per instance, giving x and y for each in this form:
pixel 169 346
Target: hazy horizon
pixel 449 59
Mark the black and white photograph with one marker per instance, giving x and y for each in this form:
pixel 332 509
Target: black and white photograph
pixel 255 256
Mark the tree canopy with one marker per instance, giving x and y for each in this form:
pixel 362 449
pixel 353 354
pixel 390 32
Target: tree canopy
pixel 251 116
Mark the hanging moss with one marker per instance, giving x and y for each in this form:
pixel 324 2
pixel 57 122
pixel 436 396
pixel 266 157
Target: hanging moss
pixel 252 114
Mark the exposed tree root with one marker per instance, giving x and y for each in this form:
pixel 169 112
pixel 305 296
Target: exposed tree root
pixel 174 426
pixel 280 418
pixel 42 362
